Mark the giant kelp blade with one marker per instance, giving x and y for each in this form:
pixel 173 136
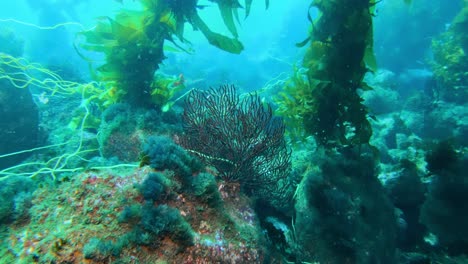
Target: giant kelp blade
pixel 101 33
pixel 109 72
pixel 124 32
pixel 168 19
pixel 131 18
pixel 149 4
pixel 215 39
pixel 225 43
pixel 235 13
pixel 226 13
pixel 97 38
pixel 461 20
pixel 178 47
pixel 369 55
pixel 370 60
pixel 248 5
pixel 98 48
pixel 309 17
pixel 303 43
pixel 180 30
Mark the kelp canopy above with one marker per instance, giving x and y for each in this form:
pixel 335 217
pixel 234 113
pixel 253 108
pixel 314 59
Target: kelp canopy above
pixel 133 42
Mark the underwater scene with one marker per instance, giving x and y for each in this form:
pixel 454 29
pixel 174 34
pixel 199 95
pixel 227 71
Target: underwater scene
pixel 234 131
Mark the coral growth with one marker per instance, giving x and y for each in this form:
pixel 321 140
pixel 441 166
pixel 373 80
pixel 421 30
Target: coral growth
pixel 240 137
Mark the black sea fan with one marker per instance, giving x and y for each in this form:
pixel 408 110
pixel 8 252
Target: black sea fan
pixel 238 136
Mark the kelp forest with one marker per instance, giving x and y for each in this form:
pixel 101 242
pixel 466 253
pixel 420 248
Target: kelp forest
pixel 233 131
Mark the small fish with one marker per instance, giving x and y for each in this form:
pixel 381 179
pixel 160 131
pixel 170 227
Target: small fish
pixel 180 80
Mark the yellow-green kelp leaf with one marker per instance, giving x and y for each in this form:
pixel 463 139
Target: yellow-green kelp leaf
pixel 248 5
pixel 225 43
pixel 231 45
pixel 226 14
pixel 370 60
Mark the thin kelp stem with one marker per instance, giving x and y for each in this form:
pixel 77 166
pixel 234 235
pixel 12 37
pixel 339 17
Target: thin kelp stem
pixel 53 27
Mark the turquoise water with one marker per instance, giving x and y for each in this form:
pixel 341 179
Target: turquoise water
pixel 171 131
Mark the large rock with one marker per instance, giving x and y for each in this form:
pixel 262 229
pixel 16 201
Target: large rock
pixel 18 123
pixel 18 114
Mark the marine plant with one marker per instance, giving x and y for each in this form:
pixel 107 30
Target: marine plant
pixel 324 99
pixel 293 103
pixel 15 199
pixel 450 59
pixel 154 222
pixel 205 187
pixel 65 155
pixel 100 249
pixel 133 45
pixel 153 186
pixel 132 48
pixel 444 212
pixel 341 210
pixel 163 154
pixel 21 74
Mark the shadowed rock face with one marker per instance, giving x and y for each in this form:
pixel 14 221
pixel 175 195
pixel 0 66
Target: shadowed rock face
pixel 18 123
pixel 19 115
